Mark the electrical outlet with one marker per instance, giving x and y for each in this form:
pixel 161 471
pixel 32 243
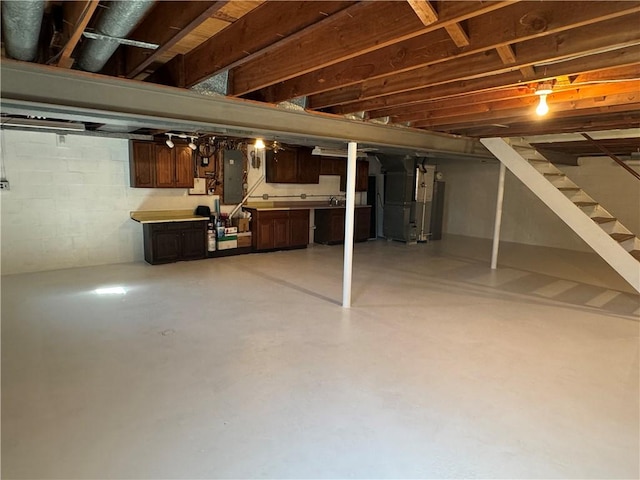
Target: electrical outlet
pixel 4 184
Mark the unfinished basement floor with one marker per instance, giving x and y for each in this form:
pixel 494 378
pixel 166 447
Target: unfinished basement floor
pixel 247 367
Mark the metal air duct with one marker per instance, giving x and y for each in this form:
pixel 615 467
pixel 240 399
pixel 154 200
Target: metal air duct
pixel 21 21
pixel 117 22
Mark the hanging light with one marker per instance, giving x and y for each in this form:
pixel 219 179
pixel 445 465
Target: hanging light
pixel 192 144
pixel 169 142
pixel 542 91
pixel 259 144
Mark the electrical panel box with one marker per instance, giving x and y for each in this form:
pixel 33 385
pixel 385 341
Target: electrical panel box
pixel 232 176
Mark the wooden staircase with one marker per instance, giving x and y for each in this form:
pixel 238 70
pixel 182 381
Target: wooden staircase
pixel 619 246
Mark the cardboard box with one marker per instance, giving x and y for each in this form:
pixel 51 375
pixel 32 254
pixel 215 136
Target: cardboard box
pixel 244 239
pixel 242 224
pixel 227 242
pixel 230 231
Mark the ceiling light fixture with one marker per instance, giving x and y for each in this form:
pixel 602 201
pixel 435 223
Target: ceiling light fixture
pixel 542 91
pixel 259 145
pixel 42 124
pixel 192 144
pixel 169 142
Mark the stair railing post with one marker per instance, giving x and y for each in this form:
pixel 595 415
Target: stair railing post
pixel 498 221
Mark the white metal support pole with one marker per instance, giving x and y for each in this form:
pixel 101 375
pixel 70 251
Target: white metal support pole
pixel 350 206
pixel 498 222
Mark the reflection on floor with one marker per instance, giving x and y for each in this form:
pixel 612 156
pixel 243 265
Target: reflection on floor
pixel 246 367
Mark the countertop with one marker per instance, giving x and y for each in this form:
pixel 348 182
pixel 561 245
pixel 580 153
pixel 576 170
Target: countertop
pixel 161 216
pixel 268 206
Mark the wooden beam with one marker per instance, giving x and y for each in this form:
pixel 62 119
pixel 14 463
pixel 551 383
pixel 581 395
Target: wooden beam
pixel 486 32
pixel 266 26
pixel 525 127
pixel 425 12
pixel 442 109
pixel 582 44
pixel 343 37
pixel 392 104
pixel 506 54
pixel 167 24
pixel 76 18
pixel 458 35
pixel 528 72
pixel 624 102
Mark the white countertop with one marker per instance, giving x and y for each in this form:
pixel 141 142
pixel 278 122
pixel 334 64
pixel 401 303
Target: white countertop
pixel 163 216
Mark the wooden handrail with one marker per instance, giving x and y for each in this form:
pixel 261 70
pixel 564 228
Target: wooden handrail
pixel 606 151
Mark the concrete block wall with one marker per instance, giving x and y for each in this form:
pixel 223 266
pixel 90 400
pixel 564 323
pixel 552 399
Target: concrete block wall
pixel 470 203
pixel 470 199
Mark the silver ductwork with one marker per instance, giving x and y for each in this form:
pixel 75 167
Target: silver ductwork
pixel 117 22
pixel 21 21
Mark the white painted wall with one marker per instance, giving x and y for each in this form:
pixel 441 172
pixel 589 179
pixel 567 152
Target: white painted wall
pixel 69 206
pixel 470 196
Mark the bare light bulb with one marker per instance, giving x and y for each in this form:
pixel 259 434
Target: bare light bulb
pixel 542 108
pixel 259 144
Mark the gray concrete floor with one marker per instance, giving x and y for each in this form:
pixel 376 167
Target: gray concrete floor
pixel 247 367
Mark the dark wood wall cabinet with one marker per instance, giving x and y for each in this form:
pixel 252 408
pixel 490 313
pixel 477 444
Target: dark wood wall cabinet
pixel 155 165
pixel 293 165
pixel 168 242
pixel 338 166
pixel 329 224
pixel 279 229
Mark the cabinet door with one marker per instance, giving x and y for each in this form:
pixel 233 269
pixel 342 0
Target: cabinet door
pixel 322 219
pixel 264 237
pixel 337 226
pixel 194 241
pixel 362 175
pixel 281 231
pixel 308 166
pixel 141 164
pixel 299 227
pixel 166 246
pixel 165 166
pixel 362 223
pixel 183 166
pixel 282 166
pixel 326 166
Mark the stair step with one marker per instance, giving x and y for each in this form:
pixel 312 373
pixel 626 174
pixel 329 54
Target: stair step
pixel 635 254
pixel 538 160
pixel 568 189
pixel 554 174
pixel 622 237
pixel 586 204
pixel 603 219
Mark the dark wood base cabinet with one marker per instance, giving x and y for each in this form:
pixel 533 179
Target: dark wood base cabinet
pixel 279 229
pixel 174 241
pixel 330 225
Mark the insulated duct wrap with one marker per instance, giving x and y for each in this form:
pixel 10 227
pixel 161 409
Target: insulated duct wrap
pixel 118 21
pixel 21 21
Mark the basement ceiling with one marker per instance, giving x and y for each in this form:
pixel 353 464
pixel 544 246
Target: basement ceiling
pixel 468 68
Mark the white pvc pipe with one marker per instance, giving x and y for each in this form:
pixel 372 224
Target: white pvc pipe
pixel 349 216
pixel 498 222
